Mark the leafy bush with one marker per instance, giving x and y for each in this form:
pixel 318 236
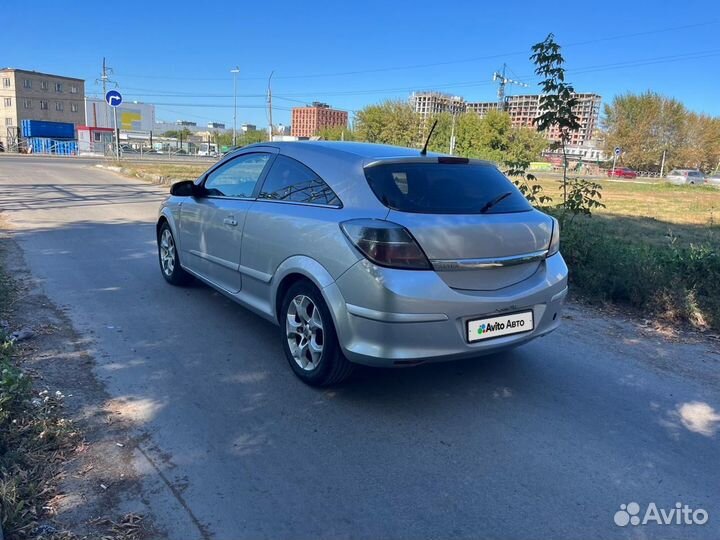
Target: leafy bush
pixel 676 282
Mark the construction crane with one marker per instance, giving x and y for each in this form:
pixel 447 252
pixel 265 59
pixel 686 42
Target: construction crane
pixel 502 81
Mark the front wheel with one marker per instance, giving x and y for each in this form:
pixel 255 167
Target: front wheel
pixel 309 339
pixel 168 257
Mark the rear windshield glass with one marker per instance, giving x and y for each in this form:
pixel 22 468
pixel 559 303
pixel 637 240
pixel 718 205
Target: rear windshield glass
pixel 440 188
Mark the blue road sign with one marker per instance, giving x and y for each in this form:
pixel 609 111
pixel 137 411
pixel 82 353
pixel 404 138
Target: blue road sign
pixel 618 151
pixel 113 98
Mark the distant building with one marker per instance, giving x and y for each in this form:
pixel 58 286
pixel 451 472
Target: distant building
pixel 309 121
pixel 187 123
pixel 248 127
pixel 522 110
pixel 430 103
pixel 131 116
pixel 216 125
pixel 161 127
pixel 31 95
pixel 525 108
pixel 482 107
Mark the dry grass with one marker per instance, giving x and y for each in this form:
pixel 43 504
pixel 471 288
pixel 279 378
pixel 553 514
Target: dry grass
pixel 168 170
pixel 655 212
pixel 36 440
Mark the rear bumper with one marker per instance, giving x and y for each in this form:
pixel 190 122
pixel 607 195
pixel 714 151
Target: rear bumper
pixel 387 317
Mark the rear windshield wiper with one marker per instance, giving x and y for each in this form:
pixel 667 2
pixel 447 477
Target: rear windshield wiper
pixel 488 205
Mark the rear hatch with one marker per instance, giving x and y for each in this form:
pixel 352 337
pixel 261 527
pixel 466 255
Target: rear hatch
pixel 474 225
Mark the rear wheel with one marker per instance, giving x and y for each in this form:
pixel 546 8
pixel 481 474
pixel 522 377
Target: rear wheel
pixel 309 339
pixel 168 257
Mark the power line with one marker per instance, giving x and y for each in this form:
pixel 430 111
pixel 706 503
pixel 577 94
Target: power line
pixel 623 35
pixel 288 96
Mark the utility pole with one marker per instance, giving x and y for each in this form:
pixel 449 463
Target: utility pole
pixel 117 134
pixel 269 101
pixel 105 80
pixel 452 136
pixel 662 164
pixel 235 71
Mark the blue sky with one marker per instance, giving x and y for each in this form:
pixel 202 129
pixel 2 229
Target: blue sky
pixel 350 54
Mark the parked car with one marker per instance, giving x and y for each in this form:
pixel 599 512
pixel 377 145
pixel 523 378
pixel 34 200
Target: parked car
pixel 622 172
pixel 127 149
pixel 685 176
pixel 368 254
pixel 713 179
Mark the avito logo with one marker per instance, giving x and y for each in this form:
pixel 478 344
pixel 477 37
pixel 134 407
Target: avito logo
pixel 494 327
pixel 485 328
pixel 682 514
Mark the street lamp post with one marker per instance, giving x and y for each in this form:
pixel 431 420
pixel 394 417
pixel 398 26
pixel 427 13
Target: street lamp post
pixel 235 71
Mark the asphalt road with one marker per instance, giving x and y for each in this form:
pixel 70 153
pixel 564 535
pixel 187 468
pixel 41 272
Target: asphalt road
pixel 129 158
pixel 543 442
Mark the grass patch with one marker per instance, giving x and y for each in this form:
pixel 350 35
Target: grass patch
pixel 655 247
pixel 168 170
pixel 34 438
pixel 654 211
pixel 677 281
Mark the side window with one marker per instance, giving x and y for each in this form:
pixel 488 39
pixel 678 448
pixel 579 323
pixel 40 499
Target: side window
pixel 290 180
pixel 237 178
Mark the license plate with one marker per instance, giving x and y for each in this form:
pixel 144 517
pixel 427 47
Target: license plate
pixel 501 325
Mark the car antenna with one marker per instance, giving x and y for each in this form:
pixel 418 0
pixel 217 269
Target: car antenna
pixel 423 152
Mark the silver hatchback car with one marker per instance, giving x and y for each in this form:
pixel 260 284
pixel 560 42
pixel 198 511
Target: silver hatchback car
pixel 681 177
pixel 368 254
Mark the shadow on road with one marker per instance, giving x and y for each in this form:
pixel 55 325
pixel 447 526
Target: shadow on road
pixel 42 196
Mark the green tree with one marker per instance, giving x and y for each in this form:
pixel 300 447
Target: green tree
pixel 493 137
pixel 440 140
pixel 252 137
pixel 701 147
pixel 644 126
pixel 337 134
pixel 390 122
pixel 557 99
pixel 557 102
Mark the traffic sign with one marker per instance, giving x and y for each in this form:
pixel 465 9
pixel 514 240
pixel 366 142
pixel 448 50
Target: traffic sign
pixel 618 151
pixel 113 98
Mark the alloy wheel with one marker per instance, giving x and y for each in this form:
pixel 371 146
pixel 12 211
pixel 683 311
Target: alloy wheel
pixel 167 252
pixel 304 331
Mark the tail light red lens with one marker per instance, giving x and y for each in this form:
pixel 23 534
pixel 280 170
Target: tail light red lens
pixel 385 243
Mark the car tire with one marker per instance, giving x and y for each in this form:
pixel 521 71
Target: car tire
pixel 309 338
pixel 168 257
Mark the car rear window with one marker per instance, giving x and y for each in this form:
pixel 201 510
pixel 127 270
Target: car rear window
pixel 442 188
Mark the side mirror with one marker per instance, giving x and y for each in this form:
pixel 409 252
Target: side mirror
pixel 186 188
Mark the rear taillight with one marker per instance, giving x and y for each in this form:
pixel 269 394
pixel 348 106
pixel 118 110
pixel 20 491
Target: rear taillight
pixel 385 243
pixel 554 246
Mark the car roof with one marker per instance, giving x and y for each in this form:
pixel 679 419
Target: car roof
pixel 357 149
pixel 340 164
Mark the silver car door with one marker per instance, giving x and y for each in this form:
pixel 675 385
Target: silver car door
pixel 213 223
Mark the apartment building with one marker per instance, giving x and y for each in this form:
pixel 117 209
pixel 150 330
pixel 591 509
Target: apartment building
pixel 525 108
pixel 481 108
pixel 429 103
pixel 309 121
pixel 31 95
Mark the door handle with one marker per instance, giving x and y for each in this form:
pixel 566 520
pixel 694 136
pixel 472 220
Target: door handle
pixel 230 220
